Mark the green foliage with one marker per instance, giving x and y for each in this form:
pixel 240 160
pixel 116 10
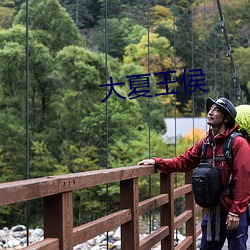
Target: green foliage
pixel 13 148
pixel 6 17
pixel 84 13
pixel 42 162
pixel 242 64
pixel 118 31
pixel 68 122
pixel 53 25
pixel 139 52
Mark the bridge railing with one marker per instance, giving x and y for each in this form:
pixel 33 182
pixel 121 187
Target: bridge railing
pixel 56 192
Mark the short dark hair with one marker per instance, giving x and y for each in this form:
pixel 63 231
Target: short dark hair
pixel 231 122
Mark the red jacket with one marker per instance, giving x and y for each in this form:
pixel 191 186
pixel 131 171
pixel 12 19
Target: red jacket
pixel 241 167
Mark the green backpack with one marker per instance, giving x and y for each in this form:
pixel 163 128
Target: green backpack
pixel 243 120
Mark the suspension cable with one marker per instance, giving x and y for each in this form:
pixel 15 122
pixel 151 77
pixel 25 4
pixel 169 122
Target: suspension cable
pixel 215 51
pixel 229 53
pixel 193 95
pixel 107 121
pixel 204 34
pixel 149 120
pixel 175 100
pixel 27 207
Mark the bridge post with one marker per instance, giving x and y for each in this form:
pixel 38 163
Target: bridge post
pixel 190 205
pixel 167 210
pixel 58 219
pixel 129 198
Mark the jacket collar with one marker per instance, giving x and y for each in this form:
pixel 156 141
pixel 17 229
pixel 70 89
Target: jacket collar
pixel 221 136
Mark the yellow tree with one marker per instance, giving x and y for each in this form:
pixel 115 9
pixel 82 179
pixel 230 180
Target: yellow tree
pixel 159 58
pixel 160 53
pixel 161 16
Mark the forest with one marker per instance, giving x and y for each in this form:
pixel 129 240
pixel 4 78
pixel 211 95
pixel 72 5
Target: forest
pixel 56 68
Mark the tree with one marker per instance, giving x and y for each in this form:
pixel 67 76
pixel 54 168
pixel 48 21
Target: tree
pixel 6 17
pixel 117 33
pixel 40 60
pixel 161 16
pixel 160 53
pixel 242 64
pixel 156 106
pixel 53 25
pixel 84 13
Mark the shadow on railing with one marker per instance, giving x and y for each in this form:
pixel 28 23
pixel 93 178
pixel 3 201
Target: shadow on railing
pixel 56 192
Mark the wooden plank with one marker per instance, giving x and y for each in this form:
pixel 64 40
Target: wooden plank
pixel 154 238
pixel 190 205
pixel 90 230
pixel 24 190
pixel 178 192
pixel 152 203
pixel 129 195
pixel 182 218
pixel 98 177
pixel 58 219
pixel 185 244
pixel 167 210
pixel 198 231
pixel 198 209
pixel 46 244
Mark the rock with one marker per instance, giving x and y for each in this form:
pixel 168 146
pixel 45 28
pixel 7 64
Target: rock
pixel 3 233
pixel 95 248
pixel 81 246
pixel 117 244
pixel 91 242
pixel 13 243
pixel 16 238
pixel 38 232
pixel 117 234
pixel 111 233
pixel 100 238
pixel 18 228
pixel 111 239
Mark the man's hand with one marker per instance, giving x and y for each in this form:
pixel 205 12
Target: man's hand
pixel 146 162
pixel 232 221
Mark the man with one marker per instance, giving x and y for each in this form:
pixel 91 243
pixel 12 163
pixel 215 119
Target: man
pixel 221 115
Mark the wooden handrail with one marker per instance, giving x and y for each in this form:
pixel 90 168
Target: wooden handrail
pixel 58 208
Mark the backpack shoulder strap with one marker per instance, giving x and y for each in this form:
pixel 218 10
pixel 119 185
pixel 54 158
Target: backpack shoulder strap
pixel 227 148
pixel 203 152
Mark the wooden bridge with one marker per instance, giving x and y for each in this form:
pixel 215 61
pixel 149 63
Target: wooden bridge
pixel 56 192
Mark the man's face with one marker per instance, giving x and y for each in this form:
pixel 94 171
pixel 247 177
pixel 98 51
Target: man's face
pixel 215 116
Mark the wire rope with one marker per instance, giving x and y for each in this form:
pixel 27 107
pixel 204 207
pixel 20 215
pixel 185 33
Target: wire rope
pixel 229 83
pixel 106 108
pixel 236 84
pixel 204 35
pixel 149 120
pixel 215 52
pixel 77 13
pixel 192 62
pixel 27 207
pixel 220 46
pixel 174 75
pixel 175 100
pixel 223 73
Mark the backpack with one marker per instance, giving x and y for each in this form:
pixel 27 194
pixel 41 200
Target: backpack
pixel 206 179
pixel 243 120
pixel 206 183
